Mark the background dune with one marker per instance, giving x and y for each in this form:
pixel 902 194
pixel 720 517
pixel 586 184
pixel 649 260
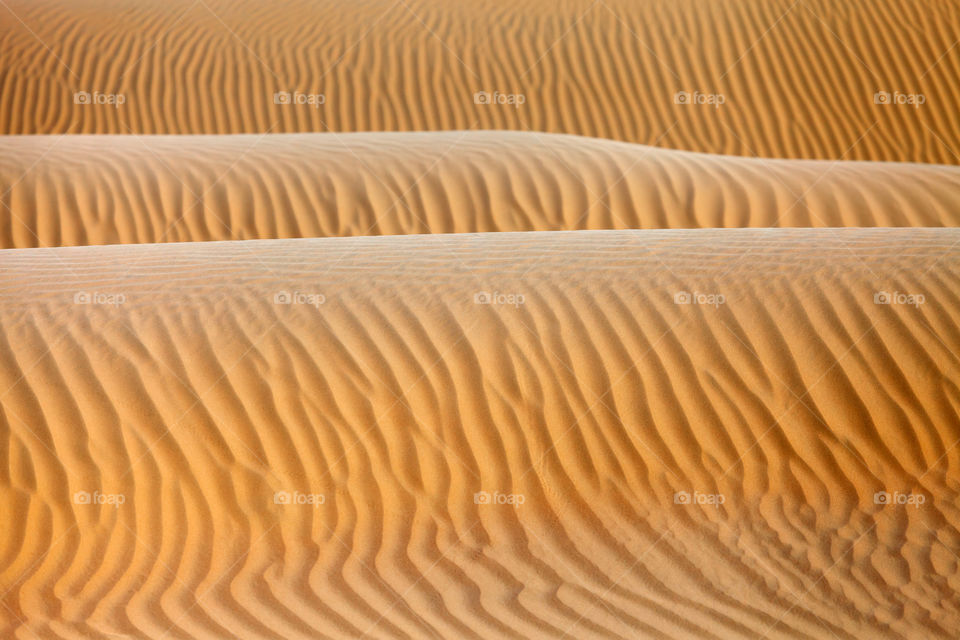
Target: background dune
pixel 798 78
pixel 78 190
pixel 197 380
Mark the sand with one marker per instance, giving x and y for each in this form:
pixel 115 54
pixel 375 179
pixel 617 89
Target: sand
pixel 79 190
pixel 328 319
pixel 796 79
pixel 579 396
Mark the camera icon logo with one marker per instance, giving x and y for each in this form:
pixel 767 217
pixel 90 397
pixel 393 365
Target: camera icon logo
pixel 282 297
pixel 881 97
pixel 81 97
pixel 682 297
pixel 481 497
pixel 81 297
pixel 281 497
pixel 681 97
pixel 681 497
pixel 281 97
pixel 881 497
pixel 81 497
pixel 482 297
pixel 881 297
pixel 481 97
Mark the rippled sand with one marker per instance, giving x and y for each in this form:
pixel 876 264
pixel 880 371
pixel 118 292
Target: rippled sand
pixel 400 378
pixel 79 190
pixel 773 78
pixel 664 346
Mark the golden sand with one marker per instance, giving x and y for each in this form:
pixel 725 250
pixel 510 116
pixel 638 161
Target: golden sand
pixel 796 79
pixel 582 392
pixel 80 190
pixel 445 319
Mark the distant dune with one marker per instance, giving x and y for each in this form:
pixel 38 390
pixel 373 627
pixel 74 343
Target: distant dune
pixel 78 190
pixel 612 434
pixel 774 78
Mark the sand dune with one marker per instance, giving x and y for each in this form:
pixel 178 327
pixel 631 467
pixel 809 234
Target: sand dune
pixel 79 190
pixel 299 392
pixel 196 381
pixel 797 79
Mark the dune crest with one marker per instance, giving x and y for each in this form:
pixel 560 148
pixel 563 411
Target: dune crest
pixel 675 433
pixel 79 190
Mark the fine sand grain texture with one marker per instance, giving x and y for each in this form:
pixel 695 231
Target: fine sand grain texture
pixel 79 190
pixel 512 435
pixel 827 79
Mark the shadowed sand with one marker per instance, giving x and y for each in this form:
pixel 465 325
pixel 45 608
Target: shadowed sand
pixel 79 190
pixel 797 79
pixel 197 380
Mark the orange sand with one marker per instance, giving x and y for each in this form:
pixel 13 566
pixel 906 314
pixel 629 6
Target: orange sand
pixel 594 397
pixel 354 415
pixel 798 79
pixel 79 190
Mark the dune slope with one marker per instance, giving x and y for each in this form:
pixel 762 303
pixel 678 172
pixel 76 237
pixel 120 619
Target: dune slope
pixel 774 78
pixel 588 434
pixel 78 190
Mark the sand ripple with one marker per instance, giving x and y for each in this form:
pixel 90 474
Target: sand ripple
pixel 403 379
pixel 79 190
pixel 798 78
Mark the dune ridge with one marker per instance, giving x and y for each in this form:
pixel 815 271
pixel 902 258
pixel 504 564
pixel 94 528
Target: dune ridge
pixel 609 69
pixel 228 372
pixel 79 190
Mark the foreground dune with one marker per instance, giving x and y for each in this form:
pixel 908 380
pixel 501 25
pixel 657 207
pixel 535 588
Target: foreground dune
pixel 796 79
pixel 477 436
pixel 79 190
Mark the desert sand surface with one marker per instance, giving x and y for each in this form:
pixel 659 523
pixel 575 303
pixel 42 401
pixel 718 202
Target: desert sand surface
pixel 792 79
pixel 406 319
pixel 199 381
pixel 84 189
